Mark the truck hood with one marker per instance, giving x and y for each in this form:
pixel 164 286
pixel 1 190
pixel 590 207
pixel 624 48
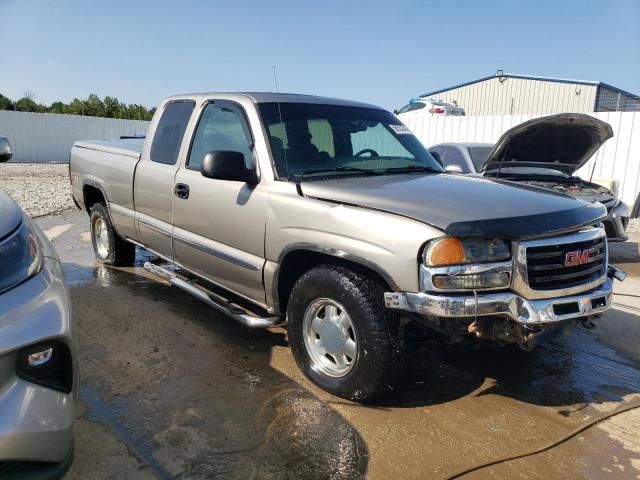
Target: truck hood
pixel 563 142
pixel 10 215
pixel 460 205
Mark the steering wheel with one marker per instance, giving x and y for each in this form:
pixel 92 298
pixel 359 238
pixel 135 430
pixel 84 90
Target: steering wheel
pixel 367 150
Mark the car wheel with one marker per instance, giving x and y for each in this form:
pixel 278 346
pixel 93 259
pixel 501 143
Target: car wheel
pixel 109 248
pixel 340 333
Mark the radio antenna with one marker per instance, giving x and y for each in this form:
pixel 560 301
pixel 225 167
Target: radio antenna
pixel 284 130
pixel 502 159
pixel 275 77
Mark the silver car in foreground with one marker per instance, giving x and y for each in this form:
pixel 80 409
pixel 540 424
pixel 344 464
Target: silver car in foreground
pixel 38 375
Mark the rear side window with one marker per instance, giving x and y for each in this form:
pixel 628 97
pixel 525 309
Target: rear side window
pixel 171 128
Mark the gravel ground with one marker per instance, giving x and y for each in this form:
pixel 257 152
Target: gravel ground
pixel 634 225
pixel 40 189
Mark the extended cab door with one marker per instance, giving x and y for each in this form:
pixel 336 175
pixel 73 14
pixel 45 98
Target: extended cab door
pixel 155 175
pixel 219 225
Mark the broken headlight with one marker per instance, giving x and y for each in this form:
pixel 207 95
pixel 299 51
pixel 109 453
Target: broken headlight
pixel 20 257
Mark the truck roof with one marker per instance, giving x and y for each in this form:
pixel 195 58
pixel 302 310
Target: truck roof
pixel 271 97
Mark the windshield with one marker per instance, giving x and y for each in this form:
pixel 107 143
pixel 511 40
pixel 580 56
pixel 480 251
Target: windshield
pixel 310 140
pixel 479 155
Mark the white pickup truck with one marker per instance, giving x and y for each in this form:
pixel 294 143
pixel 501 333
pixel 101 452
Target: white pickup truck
pixel 331 218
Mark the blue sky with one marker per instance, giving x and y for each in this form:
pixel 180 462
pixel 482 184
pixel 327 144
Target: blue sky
pixel 381 52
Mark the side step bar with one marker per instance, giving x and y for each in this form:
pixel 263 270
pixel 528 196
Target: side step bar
pixel 213 300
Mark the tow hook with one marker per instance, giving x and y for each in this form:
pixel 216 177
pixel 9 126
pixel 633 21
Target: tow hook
pixel 615 272
pixel 587 324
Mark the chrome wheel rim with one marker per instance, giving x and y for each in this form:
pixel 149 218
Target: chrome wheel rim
pixel 330 338
pixel 101 236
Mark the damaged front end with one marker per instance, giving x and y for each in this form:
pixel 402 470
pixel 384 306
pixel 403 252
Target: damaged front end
pixel 549 284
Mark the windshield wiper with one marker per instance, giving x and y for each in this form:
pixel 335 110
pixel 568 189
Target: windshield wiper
pixel 341 168
pixel 411 168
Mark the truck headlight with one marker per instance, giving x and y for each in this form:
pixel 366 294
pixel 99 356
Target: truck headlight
pixel 20 257
pixel 446 251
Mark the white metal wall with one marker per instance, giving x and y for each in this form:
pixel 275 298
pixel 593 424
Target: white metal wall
pixel 44 137
pixel 515 96
pixel 618 158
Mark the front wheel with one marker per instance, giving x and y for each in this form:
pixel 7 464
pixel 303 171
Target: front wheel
pixel 340 334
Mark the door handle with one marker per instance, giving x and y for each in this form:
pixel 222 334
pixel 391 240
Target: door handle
pixel 181 190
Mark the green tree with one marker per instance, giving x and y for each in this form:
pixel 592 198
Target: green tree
pixel 56 107
pixel 26 104
pixel 112 107
pixel 5 103
pixel 94 106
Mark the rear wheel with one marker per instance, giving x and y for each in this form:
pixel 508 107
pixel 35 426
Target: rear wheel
pixel 109 248
pixel 339 333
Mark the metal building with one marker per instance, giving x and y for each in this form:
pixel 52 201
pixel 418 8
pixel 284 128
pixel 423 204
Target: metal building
pixel 511 94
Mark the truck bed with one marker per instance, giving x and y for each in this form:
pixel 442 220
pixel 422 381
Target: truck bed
pixel 110 166
pixel 130 147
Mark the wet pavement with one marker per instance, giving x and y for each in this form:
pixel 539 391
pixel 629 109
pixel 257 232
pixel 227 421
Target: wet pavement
pixel 171 389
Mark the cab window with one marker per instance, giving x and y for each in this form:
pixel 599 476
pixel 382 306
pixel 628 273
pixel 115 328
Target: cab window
pixel 221 127
pixel 170 131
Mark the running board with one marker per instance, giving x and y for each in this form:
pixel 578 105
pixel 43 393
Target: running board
pixel 213 300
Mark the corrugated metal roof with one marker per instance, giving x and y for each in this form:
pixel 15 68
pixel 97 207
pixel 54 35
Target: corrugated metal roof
pixel 532 77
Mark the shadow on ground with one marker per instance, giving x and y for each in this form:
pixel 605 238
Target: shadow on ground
pixel 192 394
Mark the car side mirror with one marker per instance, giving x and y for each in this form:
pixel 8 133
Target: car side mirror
pixel 396 111
pixel 5 150
pixel 453 168
pixel 227 165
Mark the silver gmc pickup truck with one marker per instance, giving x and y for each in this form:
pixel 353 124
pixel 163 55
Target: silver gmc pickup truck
pixel 331 218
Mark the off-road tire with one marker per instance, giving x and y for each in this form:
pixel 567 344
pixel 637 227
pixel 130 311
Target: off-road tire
pixel 121 253
pixel 378 349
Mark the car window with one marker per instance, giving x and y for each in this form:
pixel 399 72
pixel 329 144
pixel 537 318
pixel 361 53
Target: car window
pixel 479 155
pixel 453 156
pixel 221 127
pixel 438 153
pixel 170 132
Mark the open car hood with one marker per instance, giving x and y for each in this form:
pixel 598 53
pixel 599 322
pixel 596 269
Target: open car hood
pixel 562 142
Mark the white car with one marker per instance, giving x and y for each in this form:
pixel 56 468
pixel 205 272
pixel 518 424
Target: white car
pixel 424 106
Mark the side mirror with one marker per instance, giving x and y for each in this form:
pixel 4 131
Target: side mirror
pixel 436 156
pixel 5 150
pixel 396 111
pixel 453 169
pixel 227 165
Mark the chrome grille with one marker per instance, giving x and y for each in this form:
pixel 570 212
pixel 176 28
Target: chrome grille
pixel 546 269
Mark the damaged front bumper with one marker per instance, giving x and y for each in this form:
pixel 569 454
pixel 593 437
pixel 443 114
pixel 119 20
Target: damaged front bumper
pixel 507 304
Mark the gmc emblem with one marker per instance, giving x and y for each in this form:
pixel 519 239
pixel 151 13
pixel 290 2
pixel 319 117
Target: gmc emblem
pixel 579 257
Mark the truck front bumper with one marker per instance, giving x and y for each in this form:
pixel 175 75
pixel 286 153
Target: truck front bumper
pixel 505 304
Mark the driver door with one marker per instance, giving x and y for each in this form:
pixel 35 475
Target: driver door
pixel 219 225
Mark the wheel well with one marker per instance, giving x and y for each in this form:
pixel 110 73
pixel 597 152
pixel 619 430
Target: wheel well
pixel 92 195
pixel 298 262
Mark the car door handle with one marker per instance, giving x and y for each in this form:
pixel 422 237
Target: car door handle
pixel 181 190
